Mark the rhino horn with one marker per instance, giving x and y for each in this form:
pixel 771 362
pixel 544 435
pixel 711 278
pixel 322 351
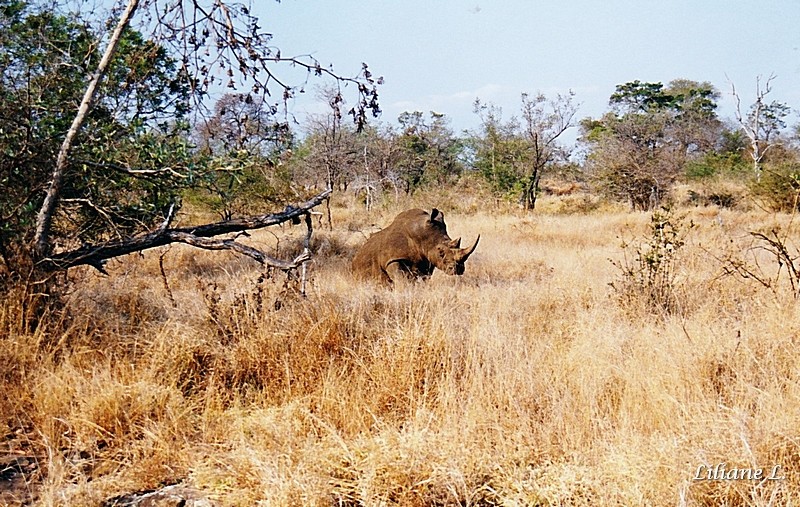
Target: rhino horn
pixel 466 252
pixel 456 243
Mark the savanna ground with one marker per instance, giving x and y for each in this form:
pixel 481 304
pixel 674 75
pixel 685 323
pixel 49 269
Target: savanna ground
pixel 528 381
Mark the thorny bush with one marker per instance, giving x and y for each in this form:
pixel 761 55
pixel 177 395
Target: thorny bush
pixel 648 271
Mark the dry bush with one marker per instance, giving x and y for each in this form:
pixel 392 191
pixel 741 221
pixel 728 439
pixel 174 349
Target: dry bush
pixel 649 272
pixel 520 383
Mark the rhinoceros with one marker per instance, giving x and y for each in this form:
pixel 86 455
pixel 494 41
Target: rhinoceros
pixel 410 248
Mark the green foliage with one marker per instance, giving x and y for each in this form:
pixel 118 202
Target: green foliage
pixel 778 188
pixel 108 200
pixel 243 190
pixel 144 84
pixel 769 117
pixel 727 161
pixel 135 126
pixel 711 164
pixel 635 97
pixel 500 154
pixel 648 271
pixel 642 147
pixel 592 130
pixel 500 162
pixel 36 91
pixel 513 155
pixel 429 152
pixel 682 96
pixel 693 99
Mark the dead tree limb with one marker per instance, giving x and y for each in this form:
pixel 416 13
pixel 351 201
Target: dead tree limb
pixel 230 244
pixel 199 236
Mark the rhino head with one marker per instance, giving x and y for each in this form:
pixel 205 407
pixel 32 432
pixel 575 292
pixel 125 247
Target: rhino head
pixel 450 257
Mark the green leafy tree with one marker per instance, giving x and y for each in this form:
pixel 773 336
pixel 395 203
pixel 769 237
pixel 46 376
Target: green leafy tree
pixel 513 155
pixel 637 97
pixel 500 153
pixel 640 147
pixel 429 151
pixel 728 158
pixel 46 57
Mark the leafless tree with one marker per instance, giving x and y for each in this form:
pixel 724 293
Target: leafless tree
pixel 762 123
pixel 332 144
pixel 635 160
pixel 545 121
pixel 244 124
pixel 380 156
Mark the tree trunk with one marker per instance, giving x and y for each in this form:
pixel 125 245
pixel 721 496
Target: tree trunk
pixel 44 220
pixel 531 191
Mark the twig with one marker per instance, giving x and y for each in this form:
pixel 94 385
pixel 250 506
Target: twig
pixel 164 277
pixel 229 244
pixel 100 211
pixel 145 173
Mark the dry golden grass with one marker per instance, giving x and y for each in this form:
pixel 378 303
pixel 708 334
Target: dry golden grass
pixel 523 382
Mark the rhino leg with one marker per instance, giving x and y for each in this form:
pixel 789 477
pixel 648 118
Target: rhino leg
pixel 400 271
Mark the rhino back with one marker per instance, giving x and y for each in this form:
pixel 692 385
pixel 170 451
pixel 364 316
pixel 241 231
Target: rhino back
pixel 422 231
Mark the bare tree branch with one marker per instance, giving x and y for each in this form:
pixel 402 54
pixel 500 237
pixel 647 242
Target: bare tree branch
pixel 229 244
pixel 198 236
pixel 97 209
pixel 145 173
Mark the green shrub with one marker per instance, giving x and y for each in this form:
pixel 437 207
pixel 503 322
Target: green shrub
pixel 728 165
pixel 778 188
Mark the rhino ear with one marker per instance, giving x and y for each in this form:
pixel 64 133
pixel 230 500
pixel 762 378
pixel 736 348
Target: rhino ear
pixel 437 216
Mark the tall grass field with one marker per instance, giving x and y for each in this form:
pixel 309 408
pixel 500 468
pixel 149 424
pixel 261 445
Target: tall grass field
pixel 565 367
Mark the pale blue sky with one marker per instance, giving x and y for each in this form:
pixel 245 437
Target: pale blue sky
pixel 441 54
